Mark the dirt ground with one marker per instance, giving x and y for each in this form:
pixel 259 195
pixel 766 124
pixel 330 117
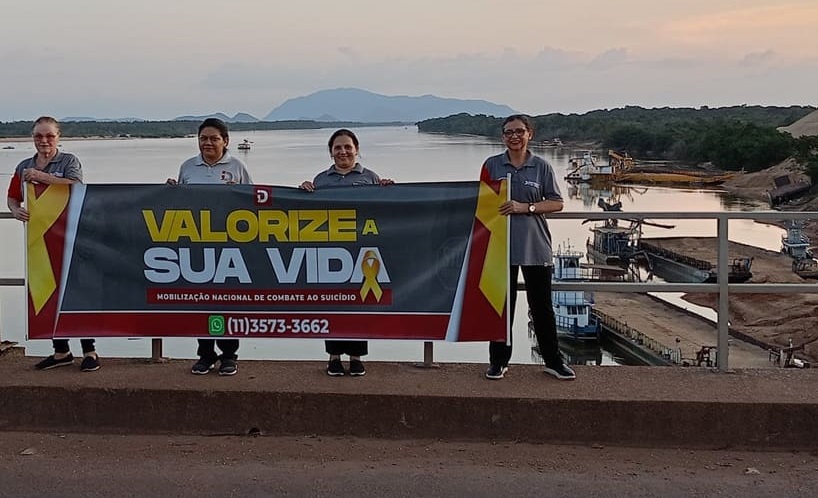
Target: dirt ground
pixel 35 464
pixel 771 318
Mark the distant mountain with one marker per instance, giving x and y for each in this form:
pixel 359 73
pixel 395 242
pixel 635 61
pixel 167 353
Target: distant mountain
pixel 241 117
pixel 354 104
pixel 75 119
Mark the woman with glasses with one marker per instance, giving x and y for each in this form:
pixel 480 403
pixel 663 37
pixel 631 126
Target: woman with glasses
pixel 345 171
pixel 50 166
pixel 214 164
pixel 534 193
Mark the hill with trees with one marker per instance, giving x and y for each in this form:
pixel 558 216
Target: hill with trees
pixel 166 129
pixel 731 138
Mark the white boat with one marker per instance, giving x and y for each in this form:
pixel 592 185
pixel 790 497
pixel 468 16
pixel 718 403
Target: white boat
pixel 244 145
pixel 572 309
pixel 795 243
pixel 586 168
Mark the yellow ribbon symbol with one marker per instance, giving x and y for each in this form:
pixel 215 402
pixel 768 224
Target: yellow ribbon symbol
pixel 493 282
pixel 370 265
pixel 44 211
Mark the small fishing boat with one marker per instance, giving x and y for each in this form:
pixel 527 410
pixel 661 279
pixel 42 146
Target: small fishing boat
pixel 245 145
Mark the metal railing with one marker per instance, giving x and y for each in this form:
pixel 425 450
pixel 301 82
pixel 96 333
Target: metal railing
pixel 722 287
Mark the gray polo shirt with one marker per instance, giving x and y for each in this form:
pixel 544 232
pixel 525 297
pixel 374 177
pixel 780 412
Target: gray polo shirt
pixel 62 165
pixel 358 175
pixel 533 182
pixel 228 170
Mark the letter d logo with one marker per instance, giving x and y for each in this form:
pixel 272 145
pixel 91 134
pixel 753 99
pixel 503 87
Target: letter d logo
pixel 215 325
pixel 264 196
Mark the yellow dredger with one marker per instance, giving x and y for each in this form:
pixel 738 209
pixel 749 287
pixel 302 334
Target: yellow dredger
pixel 625 170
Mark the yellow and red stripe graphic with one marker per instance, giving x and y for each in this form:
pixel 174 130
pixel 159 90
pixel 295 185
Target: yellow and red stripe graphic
pixel 45 207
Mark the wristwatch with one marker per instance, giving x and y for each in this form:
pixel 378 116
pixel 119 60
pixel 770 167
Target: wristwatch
pixel 531 207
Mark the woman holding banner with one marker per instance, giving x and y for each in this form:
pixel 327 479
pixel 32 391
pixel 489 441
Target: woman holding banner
pixel 345 171
pixel 214 164
pixel 50 166
pixel 534 193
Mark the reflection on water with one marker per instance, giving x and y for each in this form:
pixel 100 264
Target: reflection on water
pixel 288 157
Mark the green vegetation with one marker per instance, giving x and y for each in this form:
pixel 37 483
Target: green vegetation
pixel 731 138
pixel 165 129
pixel 806 155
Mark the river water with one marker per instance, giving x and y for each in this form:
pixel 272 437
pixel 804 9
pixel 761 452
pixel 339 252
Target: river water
pixel 289 157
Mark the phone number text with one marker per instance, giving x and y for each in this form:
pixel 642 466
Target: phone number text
pixel 246 326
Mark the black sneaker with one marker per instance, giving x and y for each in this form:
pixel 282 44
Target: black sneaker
pixel 561 371
pixel 496 372
pixel 356 368
pixel 228 367
pixel 202 367
pixel 335 368
pixel 51 362
pixel 90 364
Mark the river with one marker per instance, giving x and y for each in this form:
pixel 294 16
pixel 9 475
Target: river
pixel 289 157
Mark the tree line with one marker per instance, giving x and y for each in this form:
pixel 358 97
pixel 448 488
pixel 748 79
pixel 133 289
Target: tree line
pixel 730 138
pixel 166 129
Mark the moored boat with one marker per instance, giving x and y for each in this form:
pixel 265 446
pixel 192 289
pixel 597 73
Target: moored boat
pixel 586 168
pixel 679 268
pixel 572 309
pixel 805 268
pixel 795 242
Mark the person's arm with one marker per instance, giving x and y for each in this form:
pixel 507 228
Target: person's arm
pixel 71 174
pixel 245 175
pixel 552 198
pixel 545 206
pixel 17 209
pixel 178 179
pixel 39 176
pixel 14 198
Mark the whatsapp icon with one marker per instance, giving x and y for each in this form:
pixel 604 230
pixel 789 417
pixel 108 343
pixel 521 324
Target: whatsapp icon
pixel 215 324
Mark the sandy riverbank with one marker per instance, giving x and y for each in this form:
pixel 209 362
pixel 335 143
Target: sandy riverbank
pixel 770 318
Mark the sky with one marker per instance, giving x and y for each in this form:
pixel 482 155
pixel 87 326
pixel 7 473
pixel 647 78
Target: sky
pixel 160 59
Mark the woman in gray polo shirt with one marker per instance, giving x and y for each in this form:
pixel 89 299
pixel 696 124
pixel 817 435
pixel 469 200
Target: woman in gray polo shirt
pixel 214 164
pixel 534 193
pixel 50 166
pixel 345 171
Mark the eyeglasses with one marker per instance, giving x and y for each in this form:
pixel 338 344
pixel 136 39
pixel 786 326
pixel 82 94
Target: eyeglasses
pixel 516 131
pixel 212 139
pixel 50 136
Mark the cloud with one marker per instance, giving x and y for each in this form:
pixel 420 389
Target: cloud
pixel 610 58
pixel 758 58
pixel 790 28
pixel 550 80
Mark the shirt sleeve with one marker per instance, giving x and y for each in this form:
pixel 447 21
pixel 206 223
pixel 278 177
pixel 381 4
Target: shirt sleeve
pixel 16 187
pixel 73 170
pixel 551 189
pixel 245 175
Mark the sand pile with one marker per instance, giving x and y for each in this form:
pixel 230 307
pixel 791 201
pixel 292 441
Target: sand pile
pixel 808 125
pixel 755 185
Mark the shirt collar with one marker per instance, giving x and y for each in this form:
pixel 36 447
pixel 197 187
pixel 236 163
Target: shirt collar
pixel 224 160
pixel 528 159
pixel 357 168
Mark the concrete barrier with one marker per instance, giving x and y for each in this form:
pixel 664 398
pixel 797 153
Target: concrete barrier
pixel 629 406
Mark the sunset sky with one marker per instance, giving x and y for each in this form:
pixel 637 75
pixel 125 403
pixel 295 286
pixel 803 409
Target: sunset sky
pixel 160 59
